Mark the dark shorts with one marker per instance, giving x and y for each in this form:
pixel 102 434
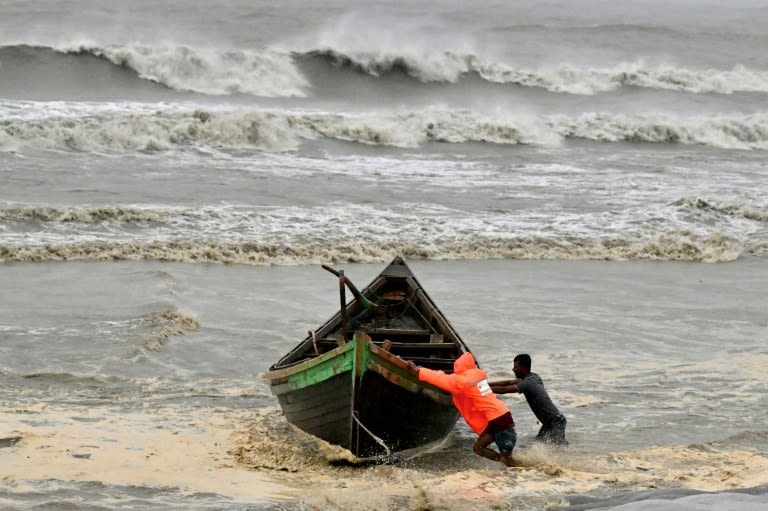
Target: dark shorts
pixel 506 440
pixel 503 431
pixel 553 432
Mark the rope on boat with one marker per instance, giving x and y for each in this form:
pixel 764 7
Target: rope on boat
pixel 378 440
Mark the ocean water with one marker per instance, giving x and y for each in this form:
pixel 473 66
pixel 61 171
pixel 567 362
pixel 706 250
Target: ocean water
pixel 583 181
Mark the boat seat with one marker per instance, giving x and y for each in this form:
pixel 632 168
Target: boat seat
pixel 399 332
pixel 420 345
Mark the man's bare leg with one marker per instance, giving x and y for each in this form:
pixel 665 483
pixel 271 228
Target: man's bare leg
pixel 481 447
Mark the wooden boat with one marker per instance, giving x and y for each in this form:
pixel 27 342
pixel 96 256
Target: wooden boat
pixel 348 381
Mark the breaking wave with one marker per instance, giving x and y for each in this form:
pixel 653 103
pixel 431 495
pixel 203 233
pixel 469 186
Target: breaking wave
pixel 274 72
pixel 76 128
pixel 688 229
pixel 96 215
pixel 449 67
pixel 684 247
pixel 750 212
pixel 164 324
pixel 267 73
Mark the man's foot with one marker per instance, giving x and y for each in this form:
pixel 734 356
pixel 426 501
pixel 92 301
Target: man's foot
pixel 508 461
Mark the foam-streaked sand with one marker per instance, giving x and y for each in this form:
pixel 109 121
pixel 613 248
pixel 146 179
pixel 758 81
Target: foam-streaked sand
pixel 544 475
pixel 141 448
pixel 258 457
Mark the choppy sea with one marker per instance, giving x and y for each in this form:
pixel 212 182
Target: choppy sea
pixel 585 181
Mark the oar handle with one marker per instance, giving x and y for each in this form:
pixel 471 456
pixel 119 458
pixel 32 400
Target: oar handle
pixel 357 294
pixel 332 270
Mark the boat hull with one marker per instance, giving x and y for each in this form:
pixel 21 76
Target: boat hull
pixel 364 399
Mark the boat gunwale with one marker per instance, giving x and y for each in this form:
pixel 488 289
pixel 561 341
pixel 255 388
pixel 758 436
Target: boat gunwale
pixel 292 360
pixel 304 365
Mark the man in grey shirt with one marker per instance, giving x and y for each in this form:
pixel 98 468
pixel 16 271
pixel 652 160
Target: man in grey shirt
pixel 530 385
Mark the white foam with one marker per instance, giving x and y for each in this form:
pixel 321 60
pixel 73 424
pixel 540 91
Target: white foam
pixel 267 72
pixel 132 127
pixel 573 79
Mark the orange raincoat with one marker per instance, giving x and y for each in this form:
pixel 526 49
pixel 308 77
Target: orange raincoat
pixel 470 391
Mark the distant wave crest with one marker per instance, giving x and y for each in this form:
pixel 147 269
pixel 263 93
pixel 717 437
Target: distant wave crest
pixel 576 80
pixel 449 67
pixel 425 67
pixel 265 72
pixel 272 72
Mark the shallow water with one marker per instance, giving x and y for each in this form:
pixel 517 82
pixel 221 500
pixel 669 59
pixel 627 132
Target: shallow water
pixel 143 383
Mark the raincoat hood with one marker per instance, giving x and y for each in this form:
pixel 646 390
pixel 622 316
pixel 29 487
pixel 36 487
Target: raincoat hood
pixel 464 363
pixel 470 392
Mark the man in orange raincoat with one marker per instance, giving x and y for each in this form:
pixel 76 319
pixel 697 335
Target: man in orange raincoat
pixel 485 414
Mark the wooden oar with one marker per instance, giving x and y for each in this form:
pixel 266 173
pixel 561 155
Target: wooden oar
pixel 365 302
pixel 344 281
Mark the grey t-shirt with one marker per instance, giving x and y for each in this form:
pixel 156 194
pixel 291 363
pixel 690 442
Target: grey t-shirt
pixel 541 405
